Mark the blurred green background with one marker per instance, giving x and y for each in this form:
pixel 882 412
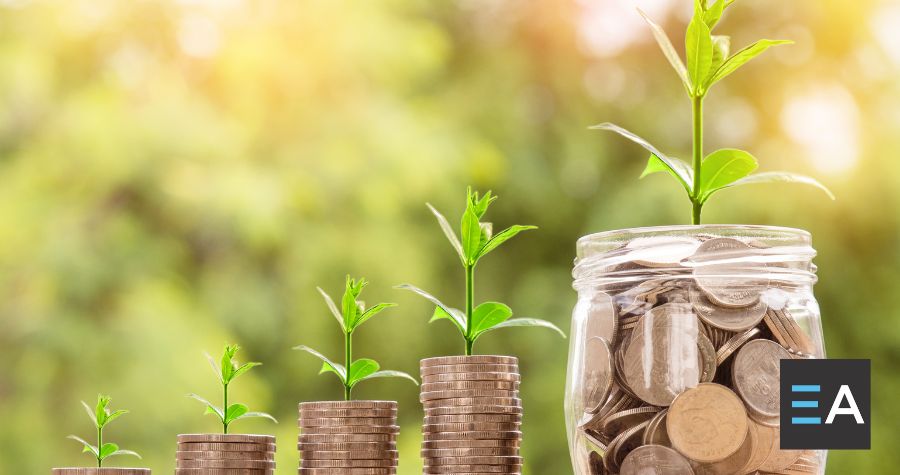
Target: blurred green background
pixel 175 175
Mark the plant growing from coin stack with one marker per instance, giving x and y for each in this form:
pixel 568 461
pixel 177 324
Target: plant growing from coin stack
pixel 708 62
pixel 476 241
pixel 352 314
pixel 227 371
pixel 101 415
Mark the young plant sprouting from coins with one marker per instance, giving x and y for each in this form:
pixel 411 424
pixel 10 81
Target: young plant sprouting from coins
pixel 476 241
pixel 101 415
pixel 352 314
pixel 227 371
pixel 708 62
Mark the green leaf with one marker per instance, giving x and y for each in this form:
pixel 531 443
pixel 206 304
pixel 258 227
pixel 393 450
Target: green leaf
pixel 332 307
pixel 257 414
pixel 722 168
pixel 470 229
pixel 654 165
pixel 448 231
pixel 526 322
pixel 210 407
pixel 235 411
pixel 90 412
pixel 487 315
pixel 457 316
pixel 714 13
pixel 349 305
pixel 88 447
pixel 360 369
pixel 227 364
pixel 738 59
pixel 107 449
pixel 440 314
pixel 500 238
pixel 115 415
pixel 698 45
pixel 782 177
pixel 668 50
pixel 370 313
pixel 387 373
pixel 125 452
pixel 327 364
pixel 479 205
pixel 100 411
pixel 721 48
pixel 676 167
pixel 243 369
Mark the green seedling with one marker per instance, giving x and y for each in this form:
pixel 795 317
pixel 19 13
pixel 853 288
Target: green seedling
pixel 351 315
pixel 101 415
pixel 227 371
pixel 477 240
pixel 708 62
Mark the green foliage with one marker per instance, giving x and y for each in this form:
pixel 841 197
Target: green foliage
pixel 227 370
pixel 708 62
pixel 101 415
pixel 476 241
pixel 353 313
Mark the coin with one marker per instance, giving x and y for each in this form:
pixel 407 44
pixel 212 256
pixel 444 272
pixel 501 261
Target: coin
pixel 598 370
pixel 661 251
pixel 348 471
pixel 463 385
pixel 328 405
pixel 724 273
pixel 228 438
pixel 620 421
pixel 474 359
pixel 707 423
pixel 456 418
pixel 361 429
pixel 463 393
pixel 473 401
pixel 346 421
pixel 473 409
pixel 725 318
pixel 470 443
pixel 471 468
pixel 734 343
pixel 655 459
pixel 731 464
pixel 222 455
pixel 483 376
pixel 470 368
pixel 778 459
pixel 318 438
pixel 757 374
pixel 602 319
pixel 349 454
pixel 470 451
pixel 662 358
pixel 332 446
pixel 225 464
pixel 100 471
pixel 225 447
pixel 349 412
pixel 345 463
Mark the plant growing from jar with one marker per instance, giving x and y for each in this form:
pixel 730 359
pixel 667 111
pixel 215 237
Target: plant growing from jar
pixel 351 315
pixel 476 241
pixel 101 415
pixel 708 61
pixel 227 370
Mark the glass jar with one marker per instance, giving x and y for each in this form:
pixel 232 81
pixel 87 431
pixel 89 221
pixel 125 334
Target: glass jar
pixel 675 348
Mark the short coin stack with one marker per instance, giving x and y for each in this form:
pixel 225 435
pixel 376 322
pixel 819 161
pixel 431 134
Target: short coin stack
pixel 473 415
pixel 101 471
pixel 225 454
pixel 348 438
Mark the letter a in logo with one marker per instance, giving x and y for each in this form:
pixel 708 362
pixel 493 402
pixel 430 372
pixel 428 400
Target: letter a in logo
pixel 836 409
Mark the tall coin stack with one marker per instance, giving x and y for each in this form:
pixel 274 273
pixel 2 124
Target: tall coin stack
pixel 348 438
pixel 219 454
pixel 473 415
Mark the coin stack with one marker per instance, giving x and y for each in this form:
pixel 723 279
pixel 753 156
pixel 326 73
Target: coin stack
pixel 101 471
pixel 220 454
pixel 348 438
pixel 680 365
pixel 472 415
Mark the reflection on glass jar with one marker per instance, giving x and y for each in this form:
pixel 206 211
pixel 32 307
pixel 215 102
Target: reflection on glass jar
pixel 676 341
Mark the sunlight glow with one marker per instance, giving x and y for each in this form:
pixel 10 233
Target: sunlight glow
pixel 609 26
pixel 825 121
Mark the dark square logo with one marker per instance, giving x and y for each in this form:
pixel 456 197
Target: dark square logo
pixel 825 404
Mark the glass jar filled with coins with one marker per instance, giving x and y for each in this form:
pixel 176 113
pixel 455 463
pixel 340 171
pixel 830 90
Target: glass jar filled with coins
pixel 676 342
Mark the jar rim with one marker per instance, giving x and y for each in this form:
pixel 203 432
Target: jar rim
pixel 749 230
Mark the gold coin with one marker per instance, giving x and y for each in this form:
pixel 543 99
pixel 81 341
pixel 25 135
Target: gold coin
pixel 707 423
pixel 485 376
pixel 470 368
pixel 222 455
pixel 433 395
pixel 250 464
pixel 653 458
pixel 329 405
